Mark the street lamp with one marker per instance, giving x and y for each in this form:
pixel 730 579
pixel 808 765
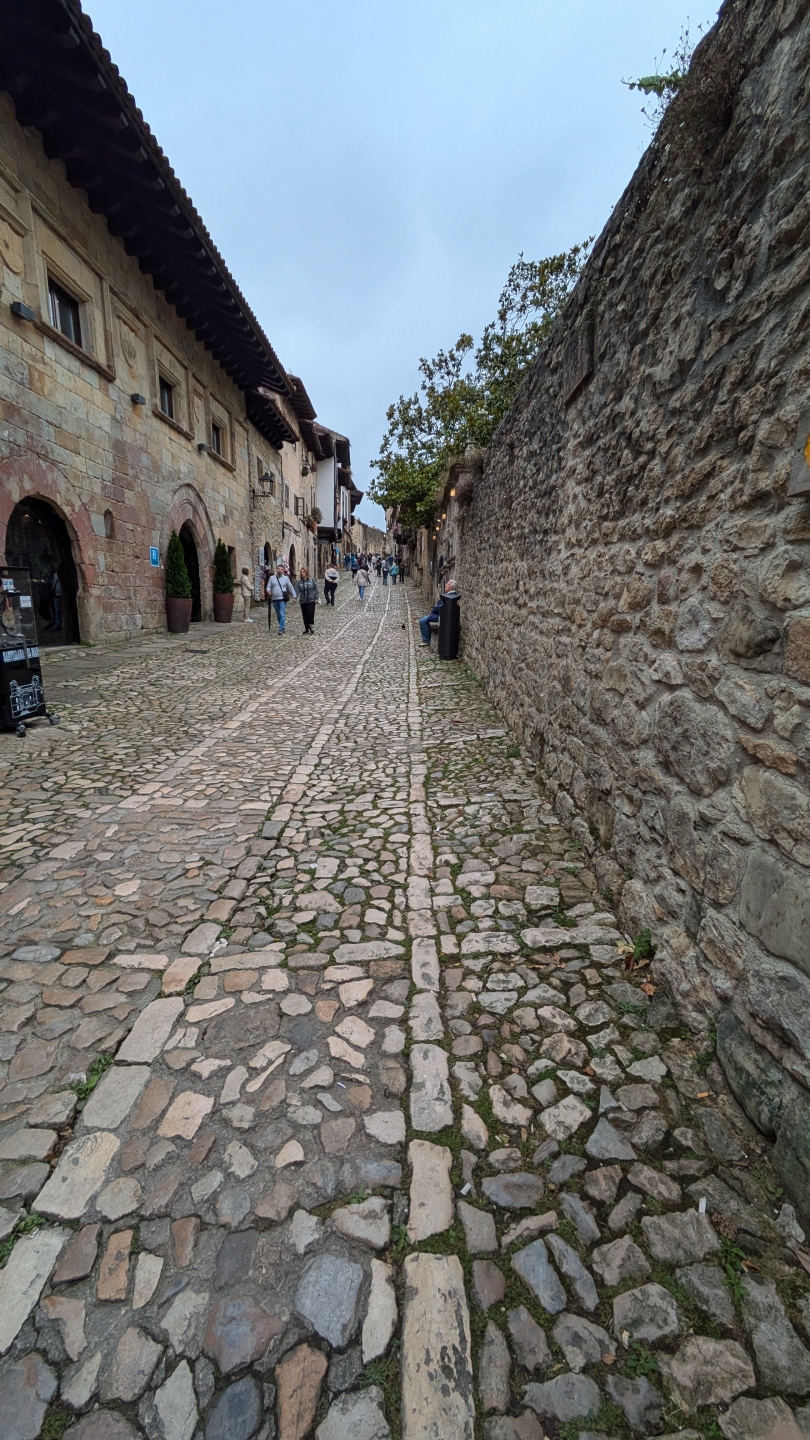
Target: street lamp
pixel 266 484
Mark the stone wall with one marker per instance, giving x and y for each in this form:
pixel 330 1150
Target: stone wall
pixel 635 560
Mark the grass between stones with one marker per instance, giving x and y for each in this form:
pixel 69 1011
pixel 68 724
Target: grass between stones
pixel 385 1373
pixel 26 1225
pixel 84 1088
pixel 56 1422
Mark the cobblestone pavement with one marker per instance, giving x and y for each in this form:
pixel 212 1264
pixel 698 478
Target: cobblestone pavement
pixel 328 1100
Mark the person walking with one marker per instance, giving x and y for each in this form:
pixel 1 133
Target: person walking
pixel 361 580
pixel 385 571
pixel 378 566
pixel 308 598
pixel 402 572
pixel 279 591
pixel 330 583
pixel 393 570
pixel 246 592
pixel 355 565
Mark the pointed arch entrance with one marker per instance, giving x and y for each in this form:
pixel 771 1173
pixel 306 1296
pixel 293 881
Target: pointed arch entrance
pixel 37 540
pixel 187 514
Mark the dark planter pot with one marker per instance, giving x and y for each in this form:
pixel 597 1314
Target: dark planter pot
pixel 178 615
pixel 223 609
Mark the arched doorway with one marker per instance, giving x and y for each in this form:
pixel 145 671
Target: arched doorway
pixel 37 540
pixel 189 545
pixel 291 562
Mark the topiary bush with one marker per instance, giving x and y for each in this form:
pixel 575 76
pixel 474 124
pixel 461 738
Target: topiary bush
pixel 223 576
pixel 178 585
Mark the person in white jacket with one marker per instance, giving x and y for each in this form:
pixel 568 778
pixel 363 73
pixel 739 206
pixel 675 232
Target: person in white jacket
pixel 246 592
pixel 280 589
pixel 361 579
pixel 331 576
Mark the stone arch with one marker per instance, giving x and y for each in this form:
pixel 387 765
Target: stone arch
pixel 187 507
pixel 28 477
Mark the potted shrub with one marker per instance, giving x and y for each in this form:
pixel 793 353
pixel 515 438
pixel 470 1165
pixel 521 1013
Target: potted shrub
pixel 178 588
pixel 223 585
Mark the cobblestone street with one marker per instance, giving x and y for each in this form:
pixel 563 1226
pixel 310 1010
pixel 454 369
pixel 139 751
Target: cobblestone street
pixel 333 1099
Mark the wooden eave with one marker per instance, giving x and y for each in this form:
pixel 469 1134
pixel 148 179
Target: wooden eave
pixel 65 86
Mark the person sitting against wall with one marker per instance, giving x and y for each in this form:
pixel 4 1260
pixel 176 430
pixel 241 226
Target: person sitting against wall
pixel 424 623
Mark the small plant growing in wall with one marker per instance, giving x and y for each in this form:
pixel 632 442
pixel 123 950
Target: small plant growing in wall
pixel 223 575
pixel 178 585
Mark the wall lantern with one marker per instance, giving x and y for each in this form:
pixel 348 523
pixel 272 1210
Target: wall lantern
pixel 22 312
pixel 444 516
pixel 452 493
pixel 266 484
pixel 202 447
pixel 138 399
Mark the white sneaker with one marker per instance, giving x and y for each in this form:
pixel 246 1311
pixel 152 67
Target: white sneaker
pixel 248 620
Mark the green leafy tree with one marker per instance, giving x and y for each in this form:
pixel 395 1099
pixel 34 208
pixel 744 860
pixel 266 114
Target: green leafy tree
pixel 178 585
pixel 223 575
pixel 466 391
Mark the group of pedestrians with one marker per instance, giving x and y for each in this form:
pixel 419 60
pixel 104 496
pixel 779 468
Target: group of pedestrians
pixel 385 567
pixel 280 591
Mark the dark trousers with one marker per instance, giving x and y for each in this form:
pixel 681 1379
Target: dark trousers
pixel 308 613
pixel 329 588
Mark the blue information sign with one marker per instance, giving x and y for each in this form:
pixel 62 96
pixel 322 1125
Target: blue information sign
pixel 154 556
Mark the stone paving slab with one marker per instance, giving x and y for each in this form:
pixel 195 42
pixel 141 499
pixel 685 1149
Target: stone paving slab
pixel 327 1103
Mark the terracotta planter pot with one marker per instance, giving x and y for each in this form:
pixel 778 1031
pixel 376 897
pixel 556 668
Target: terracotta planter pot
pixel 223 609
pixel 178 615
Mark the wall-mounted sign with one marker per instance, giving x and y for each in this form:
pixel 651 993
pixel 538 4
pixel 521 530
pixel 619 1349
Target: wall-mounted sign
pixel 154 557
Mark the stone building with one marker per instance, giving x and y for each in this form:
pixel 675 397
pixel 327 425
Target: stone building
pixel 138 393
pixel 643 516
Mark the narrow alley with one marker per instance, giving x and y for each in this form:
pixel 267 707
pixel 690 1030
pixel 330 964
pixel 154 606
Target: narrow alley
pixel 332 1096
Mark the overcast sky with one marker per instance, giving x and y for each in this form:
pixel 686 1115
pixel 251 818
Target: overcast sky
pixel 370 168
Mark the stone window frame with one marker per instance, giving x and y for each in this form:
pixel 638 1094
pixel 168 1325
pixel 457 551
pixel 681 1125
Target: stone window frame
pixel 86 352
pixel 46 269
pixel 175 373
pixel 220 415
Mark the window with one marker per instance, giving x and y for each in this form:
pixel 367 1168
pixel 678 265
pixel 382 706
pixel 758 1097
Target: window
pixel 298 505
pixel 216 438
pixel 64 312
pixel 109 525
pixel 286 497
pixel 166 397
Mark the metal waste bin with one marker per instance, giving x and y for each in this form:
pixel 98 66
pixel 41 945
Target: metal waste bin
pixel 449 627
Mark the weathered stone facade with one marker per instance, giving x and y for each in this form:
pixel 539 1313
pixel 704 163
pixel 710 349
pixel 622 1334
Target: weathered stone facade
pixel 82 427
pixel 635 559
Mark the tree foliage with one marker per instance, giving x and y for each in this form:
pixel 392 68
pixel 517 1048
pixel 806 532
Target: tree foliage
pixel 467 390
pixel 178 585
pixel 223 575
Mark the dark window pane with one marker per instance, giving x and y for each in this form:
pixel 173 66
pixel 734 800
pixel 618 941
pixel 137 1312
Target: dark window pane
pixel 167 398
pixel 64 313
pixel 216 439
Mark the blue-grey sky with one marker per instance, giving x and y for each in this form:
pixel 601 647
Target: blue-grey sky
pixel 370 168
